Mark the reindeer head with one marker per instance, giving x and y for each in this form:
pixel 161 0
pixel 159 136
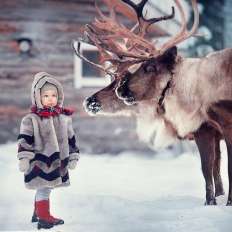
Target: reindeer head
pixel 149 79
pixel 124 48
pixel 154 75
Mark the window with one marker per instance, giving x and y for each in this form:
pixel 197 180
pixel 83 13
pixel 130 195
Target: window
pixel 84 73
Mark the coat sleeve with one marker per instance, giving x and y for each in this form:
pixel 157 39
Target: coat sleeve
pixel 73 148
pixel 26 139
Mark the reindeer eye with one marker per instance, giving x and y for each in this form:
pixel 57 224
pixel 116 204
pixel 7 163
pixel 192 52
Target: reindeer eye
pixel 149 68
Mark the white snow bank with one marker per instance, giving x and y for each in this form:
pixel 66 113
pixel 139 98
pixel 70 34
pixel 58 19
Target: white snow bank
pixel 119 194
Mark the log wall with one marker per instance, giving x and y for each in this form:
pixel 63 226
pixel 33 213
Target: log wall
pixel 50 25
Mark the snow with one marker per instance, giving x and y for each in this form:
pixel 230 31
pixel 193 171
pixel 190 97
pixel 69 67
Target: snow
pixel 125 193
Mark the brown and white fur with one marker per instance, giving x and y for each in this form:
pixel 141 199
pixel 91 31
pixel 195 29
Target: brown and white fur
pixel 105 102
pixel 197 86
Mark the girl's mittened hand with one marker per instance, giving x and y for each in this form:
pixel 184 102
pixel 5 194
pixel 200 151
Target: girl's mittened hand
pixel 72 164
pixel 24 165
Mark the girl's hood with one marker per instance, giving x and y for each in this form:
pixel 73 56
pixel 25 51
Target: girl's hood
pixel 39 80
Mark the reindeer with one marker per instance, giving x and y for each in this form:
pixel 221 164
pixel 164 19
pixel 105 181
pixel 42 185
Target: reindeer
pixel 137 50
pixel 106 102
pixel 190 90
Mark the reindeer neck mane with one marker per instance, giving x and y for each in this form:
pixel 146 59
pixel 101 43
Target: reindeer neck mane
pixel 160 105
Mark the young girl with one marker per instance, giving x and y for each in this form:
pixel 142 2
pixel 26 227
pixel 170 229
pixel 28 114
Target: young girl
pixel 47 146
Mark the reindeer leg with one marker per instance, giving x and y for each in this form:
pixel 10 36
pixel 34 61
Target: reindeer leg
pixel 219 190
pixel 229 151
pixel 206 144
pixel 221 112
pixel 228 139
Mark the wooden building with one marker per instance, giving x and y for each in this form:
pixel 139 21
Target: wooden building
pixel 36 36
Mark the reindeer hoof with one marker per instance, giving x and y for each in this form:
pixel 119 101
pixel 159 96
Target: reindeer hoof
pixel 229 203
pixel 211 202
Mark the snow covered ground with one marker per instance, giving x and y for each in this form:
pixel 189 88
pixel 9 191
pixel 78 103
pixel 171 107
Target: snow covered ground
pixel 126 193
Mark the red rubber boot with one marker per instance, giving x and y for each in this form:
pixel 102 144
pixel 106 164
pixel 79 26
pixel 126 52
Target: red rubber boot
pixel 56 221
pixel 42 212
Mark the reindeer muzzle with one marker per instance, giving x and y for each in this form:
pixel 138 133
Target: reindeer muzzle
pixel 92 105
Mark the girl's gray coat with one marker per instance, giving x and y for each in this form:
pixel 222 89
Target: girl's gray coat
pixel 49 143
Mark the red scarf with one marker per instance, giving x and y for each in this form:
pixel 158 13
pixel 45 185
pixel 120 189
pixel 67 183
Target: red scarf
pixel 47 112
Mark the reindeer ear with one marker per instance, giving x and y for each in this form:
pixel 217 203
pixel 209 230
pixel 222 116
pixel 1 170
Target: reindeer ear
pixel 169 57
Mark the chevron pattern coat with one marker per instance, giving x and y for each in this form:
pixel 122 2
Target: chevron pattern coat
pixel 49 143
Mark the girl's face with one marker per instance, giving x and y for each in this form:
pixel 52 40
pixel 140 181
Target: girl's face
pixel 49 98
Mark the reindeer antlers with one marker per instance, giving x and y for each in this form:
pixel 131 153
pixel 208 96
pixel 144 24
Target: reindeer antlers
pixel 121 46
pixel 76 46
pixel 145 23
pixel 181 36
pixel 117 44
pixel 120 40
pixel 184 32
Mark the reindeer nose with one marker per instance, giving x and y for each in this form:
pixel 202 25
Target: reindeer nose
pixel 91 104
